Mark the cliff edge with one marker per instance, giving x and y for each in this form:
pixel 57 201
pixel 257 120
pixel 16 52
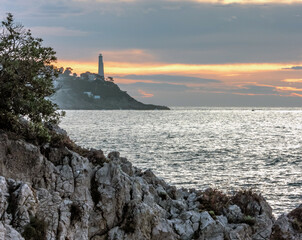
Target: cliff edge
pixel 64 192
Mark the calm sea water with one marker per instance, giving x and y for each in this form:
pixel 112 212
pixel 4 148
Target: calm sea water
pixel 228 149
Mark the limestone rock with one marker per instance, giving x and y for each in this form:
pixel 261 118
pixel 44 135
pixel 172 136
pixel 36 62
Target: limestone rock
pixel 98 198
pixel 288 226
pixel 7 232
pixel 234 214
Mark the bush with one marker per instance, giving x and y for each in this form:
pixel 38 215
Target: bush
pixel 35 230
pixel 213 200
pixel 26 82
pixel 249 220
pixel 248 201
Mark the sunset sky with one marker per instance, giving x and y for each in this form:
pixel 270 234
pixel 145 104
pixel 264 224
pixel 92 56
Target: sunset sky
pixel 178 53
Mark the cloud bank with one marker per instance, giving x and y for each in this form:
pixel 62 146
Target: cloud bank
pixel 182 52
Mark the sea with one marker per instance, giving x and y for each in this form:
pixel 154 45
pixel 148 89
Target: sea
pixel 200 147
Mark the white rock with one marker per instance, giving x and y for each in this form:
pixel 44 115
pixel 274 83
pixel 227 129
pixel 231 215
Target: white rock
pixel 12 234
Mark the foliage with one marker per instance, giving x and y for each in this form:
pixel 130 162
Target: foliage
pixel 249 220
pixel 110 79
pixel 35 230
pixel 213 200
pixel 213 215
pixel 26 81
pixel 248 201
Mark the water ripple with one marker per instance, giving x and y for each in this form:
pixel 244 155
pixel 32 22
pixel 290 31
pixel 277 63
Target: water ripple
pixel 205 147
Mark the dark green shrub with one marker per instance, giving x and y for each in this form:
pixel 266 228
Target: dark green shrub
pixel 248 201
pixel 213 215
pixel 249 220
pixel 35 230
pixel 26 82
pixel 213 200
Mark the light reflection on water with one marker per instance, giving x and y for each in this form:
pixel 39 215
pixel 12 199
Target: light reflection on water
pixel 228 149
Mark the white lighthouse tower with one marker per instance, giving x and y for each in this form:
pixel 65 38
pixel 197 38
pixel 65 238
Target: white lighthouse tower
pixel 101 66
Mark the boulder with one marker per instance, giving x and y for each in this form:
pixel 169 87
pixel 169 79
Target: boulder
pixel 288 226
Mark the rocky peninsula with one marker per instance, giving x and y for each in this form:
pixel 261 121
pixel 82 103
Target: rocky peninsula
pixel 62 191
pixel 78 93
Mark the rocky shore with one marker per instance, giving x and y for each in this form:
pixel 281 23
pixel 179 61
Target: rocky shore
pixel 55 192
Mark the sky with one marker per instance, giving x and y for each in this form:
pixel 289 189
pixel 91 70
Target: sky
pixel 178 53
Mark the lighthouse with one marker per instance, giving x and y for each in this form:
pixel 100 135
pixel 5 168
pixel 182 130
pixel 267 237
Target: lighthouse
pixel 101 66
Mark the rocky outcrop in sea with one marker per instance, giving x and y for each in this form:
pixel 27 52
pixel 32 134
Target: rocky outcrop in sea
pixel 49 192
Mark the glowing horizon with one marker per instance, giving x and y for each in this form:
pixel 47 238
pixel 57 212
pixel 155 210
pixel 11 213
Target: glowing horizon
pixel 122 68
pixel 230 76
pixel 293 80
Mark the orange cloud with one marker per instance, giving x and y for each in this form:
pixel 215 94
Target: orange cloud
pixel 289 89
pixel 162 68
pixel 292 80
pixel 124 68
pixel 130 81
pixel 296 95
pixel 145 94
pixel 79 67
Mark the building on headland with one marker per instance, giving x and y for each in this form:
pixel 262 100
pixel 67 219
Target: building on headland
pixel 91 77
pixel 87 76
pixel 101 66
pixel 89 94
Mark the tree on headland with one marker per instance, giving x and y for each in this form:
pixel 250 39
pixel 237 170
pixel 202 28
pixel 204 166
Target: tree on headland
pixel 110 79
pixel 68 71
pixel 26 81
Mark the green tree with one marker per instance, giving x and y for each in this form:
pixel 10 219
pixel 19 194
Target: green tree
pixel 26 80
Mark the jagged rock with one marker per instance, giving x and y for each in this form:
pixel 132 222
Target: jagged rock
pixel 210 229
pixel 234 214
pixel 288 226
pixel 75 197
pixel 238 232
pixel 183 228
pixel 56 129
pixel 3 196
pixel 9 233
pixel 24 205
pixel 114 155
pixel 163 230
